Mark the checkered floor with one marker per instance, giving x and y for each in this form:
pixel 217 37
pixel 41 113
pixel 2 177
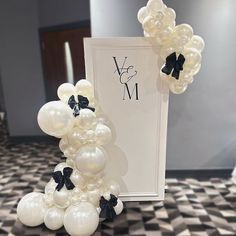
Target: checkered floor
pixel 191 207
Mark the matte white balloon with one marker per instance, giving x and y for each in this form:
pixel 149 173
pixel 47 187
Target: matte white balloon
pixel 91 159
pixel 103 134
pixel 65 91
pixel 55 118
pixel 86 119
pixel 119 207
pixel 81 220
pixel 31 209
pixel 62 198
pixel 53 218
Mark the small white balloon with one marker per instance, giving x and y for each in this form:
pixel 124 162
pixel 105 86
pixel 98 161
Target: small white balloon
pixel 60 166
pixel 153 6
pixel 103 134
pixel 90 159
pixel 81 220
pixel 63 144
pixel 70 152
pixel 142 13
pixel 31 209
pixel 53 218
pixel 77 179
pixel 86 119
pixel 192 58
pixel 113 187
pixel 84 88
pixel 62 198
pixel 94 197
pixel 169 15
pixel 55 118
pixel 196 42
pixel 177 88
pixel 65 91
pixel 119 207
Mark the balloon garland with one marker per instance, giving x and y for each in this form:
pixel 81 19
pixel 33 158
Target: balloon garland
pixel 179 48
pixel 78 192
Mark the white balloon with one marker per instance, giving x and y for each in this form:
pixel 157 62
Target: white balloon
pixel 65 91
pixel 177 88
pixel 119 207
pixel 74 135
pixel 50 187
pixel 103 134
pixel 86 119
pixel 55 118
pixel 91 159
pixel 31 209
pixel 84 88
pixel 77 179
pixel 196 42
pixel 81 220
pixel 142 13
pixel 113 187
pixel 70 152
pixel 153 6
pixel 192 58
pixel 63 144
pixel 169 15
pixel 149 26
pixel 60 166
pixel 53 218
pixel 62 198
pixel 94 197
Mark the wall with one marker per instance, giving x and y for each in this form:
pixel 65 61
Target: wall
pixel 202 121
pixel 56 12
pixel 20 65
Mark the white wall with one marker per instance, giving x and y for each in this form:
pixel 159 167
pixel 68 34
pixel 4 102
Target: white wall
pixel 202 121
pixel 20 65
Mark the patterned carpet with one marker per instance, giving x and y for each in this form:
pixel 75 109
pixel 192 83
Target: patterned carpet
pixel 191 206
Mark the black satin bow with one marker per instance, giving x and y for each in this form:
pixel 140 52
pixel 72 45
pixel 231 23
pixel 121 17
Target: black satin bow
pixel 107 207
pixel 172 63
pixel 64 178
pixel 82 103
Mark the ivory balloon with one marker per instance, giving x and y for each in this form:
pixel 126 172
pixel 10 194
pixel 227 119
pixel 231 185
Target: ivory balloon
pixel 177 88
pixel 142 13
pixel 86 119
pixel 55 118
pixel 192 58
pixel 31 209
pixel 63 144
pixel 62 198
pixel 119 207
pixel 84 88
pixel 196 42
pixel 103 134
pixel 53 218
pixel 90 159
pixel 154 6
pixel 70 152
pixel 77 179
pixel 169 15
pixel 65 91
pixel 81 220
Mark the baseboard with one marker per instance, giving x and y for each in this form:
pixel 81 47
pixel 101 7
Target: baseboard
pixel 199 174
pixel 30 139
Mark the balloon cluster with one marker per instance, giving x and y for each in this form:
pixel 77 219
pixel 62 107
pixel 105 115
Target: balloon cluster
pixel 78 194
pixel 179 47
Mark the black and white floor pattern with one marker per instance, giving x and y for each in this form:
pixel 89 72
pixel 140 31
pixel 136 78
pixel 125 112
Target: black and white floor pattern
pixel 191 207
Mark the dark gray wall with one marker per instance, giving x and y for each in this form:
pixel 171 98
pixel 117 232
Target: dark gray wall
pixel 20 65
pixel 202 121
pixel 56 12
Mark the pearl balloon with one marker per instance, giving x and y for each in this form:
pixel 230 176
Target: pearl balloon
pixel 31 209
pixel 94 197
pixel 81 220
pixel 154 5
pixel 90 159
pixel 55 118
pixel 103 134
pixel 77 179
pixel 60 166
pixel 113 187
pixel 74 136
pixel 70 152
pixel 86 119
pixel 197 43
pixel 61 198
pixel 84 88
pixel 63 144
pixel 192 58
pixel 169 15
pixel 119 207
pixel 65 91
pixel 142 13
pixel 53 218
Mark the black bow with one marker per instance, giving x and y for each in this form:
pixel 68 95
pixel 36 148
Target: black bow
pixel 107 207
pixel 82 103
pixel 172 63
pixel 64 178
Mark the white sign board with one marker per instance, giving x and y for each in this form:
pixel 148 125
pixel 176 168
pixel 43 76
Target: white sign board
pixel 125 74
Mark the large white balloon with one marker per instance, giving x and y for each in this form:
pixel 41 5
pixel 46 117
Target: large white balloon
pixel 65 91
pixel 31 209
pixel 91 159
pixel 55 118
pixel 53 218
pixel 103 134
pixel 81 220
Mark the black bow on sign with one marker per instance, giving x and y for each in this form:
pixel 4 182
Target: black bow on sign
pixel 107 207
pixel 172 63
pixel 82 103
pixel 64 178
